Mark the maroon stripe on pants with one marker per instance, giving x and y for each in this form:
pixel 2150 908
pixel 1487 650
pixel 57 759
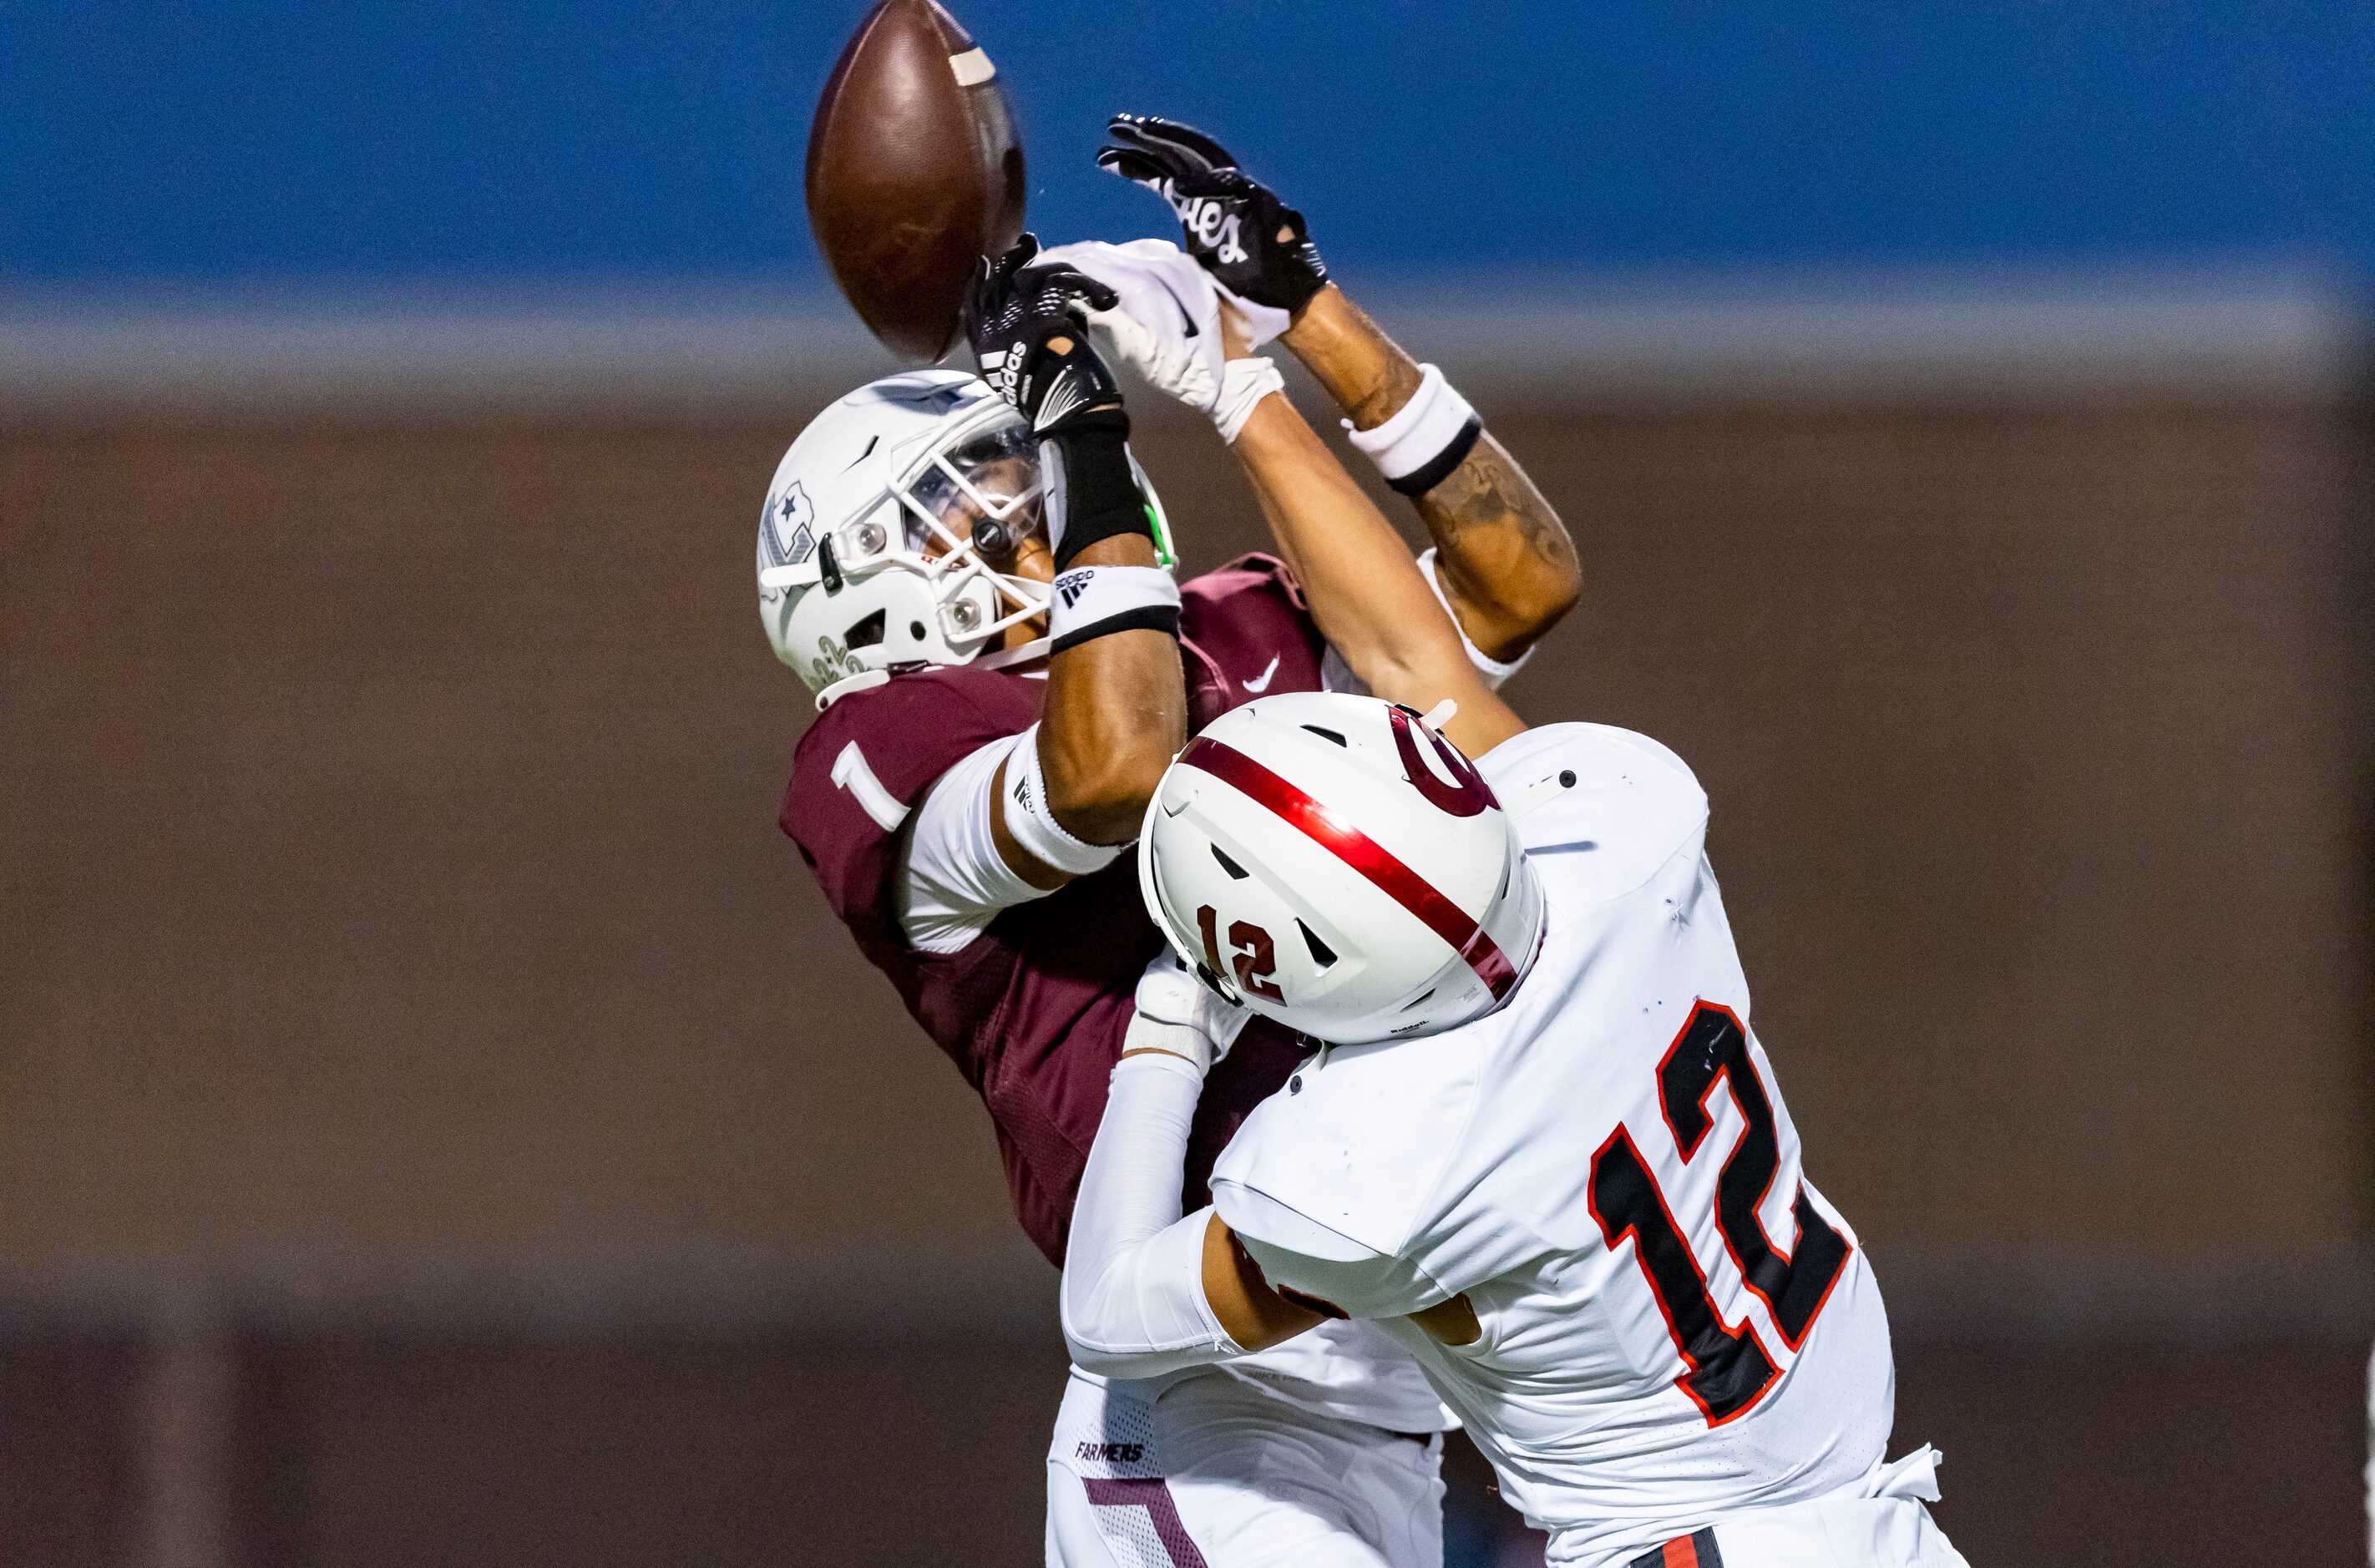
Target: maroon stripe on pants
pixel 1154 1496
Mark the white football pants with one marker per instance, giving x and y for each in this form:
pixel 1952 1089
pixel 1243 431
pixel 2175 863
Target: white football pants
pixel 1205 1471
pixel 1878 1522
pixel 1838 1532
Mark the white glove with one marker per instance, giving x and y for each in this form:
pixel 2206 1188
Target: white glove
pixel 1265 325
pixel 1176 1012
pixel 1167 324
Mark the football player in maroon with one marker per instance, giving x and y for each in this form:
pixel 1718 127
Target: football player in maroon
pixel 973 575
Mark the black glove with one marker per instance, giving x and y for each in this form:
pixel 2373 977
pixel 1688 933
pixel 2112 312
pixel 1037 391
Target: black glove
pixel 1016 316
pixel 1257 247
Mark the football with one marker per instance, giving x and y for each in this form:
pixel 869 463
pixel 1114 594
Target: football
pixel 914 174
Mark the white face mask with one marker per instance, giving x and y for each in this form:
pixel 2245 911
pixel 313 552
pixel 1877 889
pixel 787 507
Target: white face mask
pixel 986 488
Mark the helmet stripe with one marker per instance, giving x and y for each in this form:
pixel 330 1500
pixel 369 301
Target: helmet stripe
pixel 1363 853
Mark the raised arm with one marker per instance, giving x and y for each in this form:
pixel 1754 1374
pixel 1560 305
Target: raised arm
pixel 1371 600
pixel 1504 558
pixel 1506 563
pixel 1116 711
pixel 1364 590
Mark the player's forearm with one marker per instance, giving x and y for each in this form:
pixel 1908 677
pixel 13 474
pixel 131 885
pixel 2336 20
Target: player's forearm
pixel 1117 713
pixel 1364 587
pixel 1132 1300
pixel 1506 560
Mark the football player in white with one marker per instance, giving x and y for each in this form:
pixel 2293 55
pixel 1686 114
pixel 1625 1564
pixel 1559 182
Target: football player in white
pixel 1541 1146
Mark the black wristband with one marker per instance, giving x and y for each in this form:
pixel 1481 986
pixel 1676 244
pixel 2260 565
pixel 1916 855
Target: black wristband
pixel 1418 481
pixel 1093 484
pixel 1146 618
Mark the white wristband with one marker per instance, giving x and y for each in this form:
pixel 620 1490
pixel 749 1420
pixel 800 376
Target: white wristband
pixel 1091 601
pixel 1033 826
pixel 1244 383
pixel 1426 439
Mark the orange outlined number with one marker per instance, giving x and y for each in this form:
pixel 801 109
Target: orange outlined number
pixel 1727 1367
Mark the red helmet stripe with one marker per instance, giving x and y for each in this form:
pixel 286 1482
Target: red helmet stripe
pixel 1363 853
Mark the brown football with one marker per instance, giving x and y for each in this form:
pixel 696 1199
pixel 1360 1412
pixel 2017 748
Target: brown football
pixel 914 174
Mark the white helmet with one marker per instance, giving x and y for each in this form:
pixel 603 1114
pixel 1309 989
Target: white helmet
pixel 1336 865
pixel 857 573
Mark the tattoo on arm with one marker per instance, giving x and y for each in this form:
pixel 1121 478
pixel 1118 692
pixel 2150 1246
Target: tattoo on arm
pixel 1504 559
pixel 1503 555
pixel 1396 383
pixel 1489 490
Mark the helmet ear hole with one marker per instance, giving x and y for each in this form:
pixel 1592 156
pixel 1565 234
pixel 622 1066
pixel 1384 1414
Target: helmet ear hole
pixel 1322 955
pixel 868 631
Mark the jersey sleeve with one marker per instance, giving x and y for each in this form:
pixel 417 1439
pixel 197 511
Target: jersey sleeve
pixel 1617 804
pixel 953 881
pixel 866 762
pixel 1352 1280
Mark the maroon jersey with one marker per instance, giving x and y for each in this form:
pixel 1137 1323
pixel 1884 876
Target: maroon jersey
pixel 1033 1010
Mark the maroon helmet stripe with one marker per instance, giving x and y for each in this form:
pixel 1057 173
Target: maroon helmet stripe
pixel 1363 855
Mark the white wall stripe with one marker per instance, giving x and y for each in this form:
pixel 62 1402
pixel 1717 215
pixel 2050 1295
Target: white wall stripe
pixel 2219 332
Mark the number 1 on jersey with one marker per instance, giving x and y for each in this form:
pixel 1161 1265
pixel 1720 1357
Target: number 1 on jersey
pixel 1729 1368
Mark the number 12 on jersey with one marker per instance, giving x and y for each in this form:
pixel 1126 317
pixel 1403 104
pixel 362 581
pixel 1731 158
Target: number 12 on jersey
pixel 1728 1368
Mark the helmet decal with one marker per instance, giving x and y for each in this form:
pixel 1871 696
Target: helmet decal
pixel 1466 795
pixel 834 661
pixel 788 536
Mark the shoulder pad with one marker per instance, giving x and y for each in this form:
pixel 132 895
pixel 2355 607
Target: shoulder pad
pixel 1355 1144
pixel 1613 805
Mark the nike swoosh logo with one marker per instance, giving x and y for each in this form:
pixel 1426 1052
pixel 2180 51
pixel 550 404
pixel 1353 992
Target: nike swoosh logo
pixel 1261 683
pixel 1187 320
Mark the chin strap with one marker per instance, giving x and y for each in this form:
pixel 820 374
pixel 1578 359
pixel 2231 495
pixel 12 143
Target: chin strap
pixel 866 679
pixel 1035 649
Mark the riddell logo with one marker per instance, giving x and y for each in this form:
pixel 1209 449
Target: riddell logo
pixel 1111 1453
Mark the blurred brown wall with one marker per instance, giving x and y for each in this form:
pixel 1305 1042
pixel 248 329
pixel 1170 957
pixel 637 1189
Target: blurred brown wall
pixel 394 928
pixel 390 875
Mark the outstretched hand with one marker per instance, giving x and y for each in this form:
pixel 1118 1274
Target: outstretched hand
pixel 1258 248
pixel 1027 321
pixel 1166 325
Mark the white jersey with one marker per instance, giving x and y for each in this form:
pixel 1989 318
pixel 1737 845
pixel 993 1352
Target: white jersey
pixel 955 882
pixel 1675 1326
